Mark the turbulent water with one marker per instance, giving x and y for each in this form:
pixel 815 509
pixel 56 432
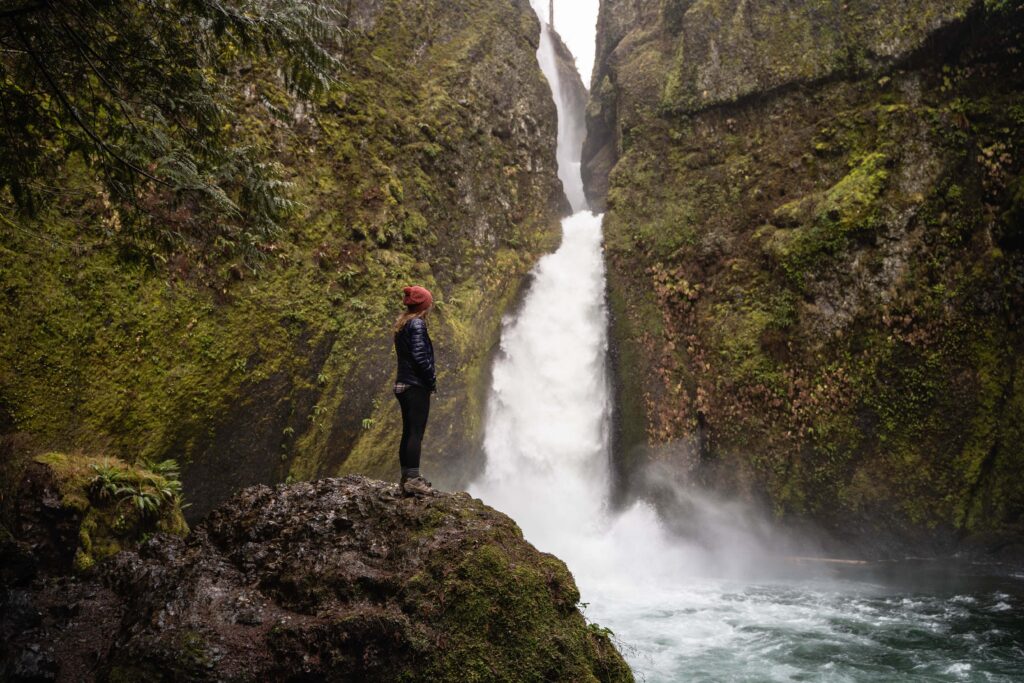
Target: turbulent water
pixel 721 602
pixel 702 629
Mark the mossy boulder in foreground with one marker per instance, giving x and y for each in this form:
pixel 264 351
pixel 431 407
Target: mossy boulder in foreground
pixel 340 579
pixel 74 510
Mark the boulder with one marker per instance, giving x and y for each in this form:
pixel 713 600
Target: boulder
pixel 339 579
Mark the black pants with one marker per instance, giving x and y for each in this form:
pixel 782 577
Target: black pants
pixel 415 402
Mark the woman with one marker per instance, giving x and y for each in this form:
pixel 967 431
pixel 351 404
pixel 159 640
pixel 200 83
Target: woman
pixel 414 384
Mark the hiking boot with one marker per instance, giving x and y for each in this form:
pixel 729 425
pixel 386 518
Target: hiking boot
pixel 417 486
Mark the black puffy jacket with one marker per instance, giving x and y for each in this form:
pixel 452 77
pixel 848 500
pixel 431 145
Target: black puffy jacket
pixel 415 355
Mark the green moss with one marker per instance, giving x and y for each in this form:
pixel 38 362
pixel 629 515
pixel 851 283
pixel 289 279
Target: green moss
pixel 84 560
pixel 721 51
pixel 628 325
pixel 193 650
pixel 503 617
pixel 823 223
pixel 739 333
pixel 108 522
pixel 847 346
pixel 129 674
pixel 982 441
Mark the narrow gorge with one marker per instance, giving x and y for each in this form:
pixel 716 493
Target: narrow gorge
pixel 727 330
pixel 707 575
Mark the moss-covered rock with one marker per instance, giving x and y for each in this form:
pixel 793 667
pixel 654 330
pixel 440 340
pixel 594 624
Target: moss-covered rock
pixel 814 263
pixel 73 511
pixel 430 160
pixel 340 579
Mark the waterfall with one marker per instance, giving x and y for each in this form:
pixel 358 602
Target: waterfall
pixel 571 126
pixel 546 437
pixel 547 425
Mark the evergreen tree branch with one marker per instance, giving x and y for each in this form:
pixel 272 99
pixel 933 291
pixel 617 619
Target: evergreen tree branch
pixel 59 93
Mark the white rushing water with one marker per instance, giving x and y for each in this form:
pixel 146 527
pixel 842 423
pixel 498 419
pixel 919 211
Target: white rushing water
pixel 571 129
pixel 547 429
pixel 548 411
pixel 710 605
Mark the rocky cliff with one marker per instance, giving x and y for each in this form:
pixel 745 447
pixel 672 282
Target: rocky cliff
pixel 575 88
pixel 430 159
pixel 340 579
pixel 814 233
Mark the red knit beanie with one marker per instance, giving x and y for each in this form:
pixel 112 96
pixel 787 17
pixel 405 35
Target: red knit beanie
pixel 417 299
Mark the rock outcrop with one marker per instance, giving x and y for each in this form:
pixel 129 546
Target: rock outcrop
pixel 339 579
pixel 814 240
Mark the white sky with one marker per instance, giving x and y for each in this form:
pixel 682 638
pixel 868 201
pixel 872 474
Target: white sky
pixel 576 22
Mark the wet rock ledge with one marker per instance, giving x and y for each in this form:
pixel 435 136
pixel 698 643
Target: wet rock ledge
pixel 340 579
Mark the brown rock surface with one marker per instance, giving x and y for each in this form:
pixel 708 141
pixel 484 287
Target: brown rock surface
pixel 339 579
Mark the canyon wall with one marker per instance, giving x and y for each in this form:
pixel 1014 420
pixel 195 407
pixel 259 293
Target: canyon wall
pixel 814 238
pixel 430 159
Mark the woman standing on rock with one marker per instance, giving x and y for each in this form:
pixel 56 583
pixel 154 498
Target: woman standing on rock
pixel 414 384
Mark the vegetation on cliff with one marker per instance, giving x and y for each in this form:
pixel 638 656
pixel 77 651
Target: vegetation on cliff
pixel 341 579
pixel 814 243
pixel 139 322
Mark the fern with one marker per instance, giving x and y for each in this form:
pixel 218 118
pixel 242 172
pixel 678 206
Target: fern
pixel 142 91
pixel 148 491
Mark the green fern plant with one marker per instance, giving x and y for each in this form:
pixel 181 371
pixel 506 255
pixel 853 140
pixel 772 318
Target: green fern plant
pixel 147 491
pixel 109 482
pixel 143 93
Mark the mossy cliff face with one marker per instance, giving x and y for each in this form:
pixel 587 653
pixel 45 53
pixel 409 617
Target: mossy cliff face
pixel 814 239
pixel 683 56
pixel 341 580
pixel 430 161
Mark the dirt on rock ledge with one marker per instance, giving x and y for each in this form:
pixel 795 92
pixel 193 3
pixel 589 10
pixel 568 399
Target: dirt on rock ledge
pixel 340 579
